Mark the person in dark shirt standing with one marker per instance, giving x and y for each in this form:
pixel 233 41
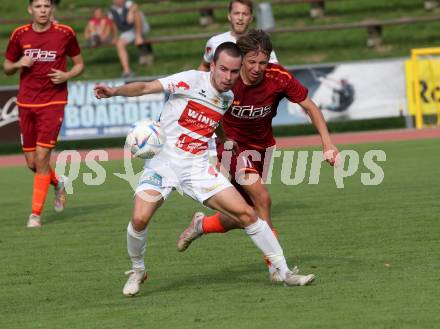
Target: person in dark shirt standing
pixel 130 26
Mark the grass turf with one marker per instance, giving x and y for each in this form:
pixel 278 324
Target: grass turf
pixel 374 250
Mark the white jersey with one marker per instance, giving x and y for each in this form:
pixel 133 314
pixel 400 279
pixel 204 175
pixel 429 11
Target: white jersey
pixel 190 117
pixel 218 39
pixel 192 113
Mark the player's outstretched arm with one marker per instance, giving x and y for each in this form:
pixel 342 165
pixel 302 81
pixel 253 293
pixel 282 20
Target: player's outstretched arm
pixel 129 89
pixel 328 148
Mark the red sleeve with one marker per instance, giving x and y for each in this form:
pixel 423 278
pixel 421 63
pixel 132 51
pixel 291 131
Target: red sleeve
pixel 295 91
pixel 13 51
pixel 72 48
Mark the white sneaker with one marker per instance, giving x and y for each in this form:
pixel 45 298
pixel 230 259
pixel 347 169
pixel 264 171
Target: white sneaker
pixel 34 221
pixel 294 279
pixel 275 276
pixel 192 232
pixel 135 279
pixel 60 194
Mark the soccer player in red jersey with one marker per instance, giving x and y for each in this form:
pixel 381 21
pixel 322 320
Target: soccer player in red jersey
pixel 39 51
pixel 248 125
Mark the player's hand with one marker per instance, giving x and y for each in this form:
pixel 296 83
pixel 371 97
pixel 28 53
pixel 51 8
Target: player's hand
pixel 103 91
pixel 230 144
pixel 331 154
pixel 58 76
pixel 25 61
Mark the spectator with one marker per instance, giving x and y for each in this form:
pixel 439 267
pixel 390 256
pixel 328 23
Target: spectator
pixel 131 27
pixel 98 30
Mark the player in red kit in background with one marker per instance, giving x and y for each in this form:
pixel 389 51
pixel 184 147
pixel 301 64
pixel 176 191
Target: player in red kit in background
pixel 39 51
pixel 248 124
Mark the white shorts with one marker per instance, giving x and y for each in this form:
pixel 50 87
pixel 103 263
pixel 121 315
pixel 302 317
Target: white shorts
pixel 129 36
pixel 196 178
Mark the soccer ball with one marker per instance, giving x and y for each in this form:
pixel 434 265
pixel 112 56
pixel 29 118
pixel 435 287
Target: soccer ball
pixel 145 139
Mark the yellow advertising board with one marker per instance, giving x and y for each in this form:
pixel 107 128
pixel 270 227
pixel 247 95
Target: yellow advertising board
pixel 423 83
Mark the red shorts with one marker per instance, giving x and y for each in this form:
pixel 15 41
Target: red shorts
pixel 247 160
pixel 40 126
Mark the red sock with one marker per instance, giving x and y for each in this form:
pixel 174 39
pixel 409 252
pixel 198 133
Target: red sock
pixel 41 186
pixel 212 224
pixel 53 177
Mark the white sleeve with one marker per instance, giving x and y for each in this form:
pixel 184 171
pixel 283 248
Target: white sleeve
pixel 209 51
pixel 182 80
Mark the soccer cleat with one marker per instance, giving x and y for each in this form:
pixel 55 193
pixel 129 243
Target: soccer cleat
pixel 34 221
pixel 294 279
pixel 135 279
pixel 192 232
pixel 60 194
pixel 275 276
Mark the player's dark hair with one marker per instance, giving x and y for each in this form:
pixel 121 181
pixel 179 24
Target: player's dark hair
pixel 52 2
pixel 255 41
pixel 248 3
pixel 230 48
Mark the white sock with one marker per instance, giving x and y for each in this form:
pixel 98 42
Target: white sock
pixel 265 240
pixel 136 243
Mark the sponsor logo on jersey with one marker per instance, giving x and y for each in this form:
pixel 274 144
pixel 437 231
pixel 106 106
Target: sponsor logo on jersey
pixel 250 111
pixel 182 85
pixel 152 179
pixel 202 93
pixel 191 145
pixel 199 119
pixel 225 104
pixel 39 55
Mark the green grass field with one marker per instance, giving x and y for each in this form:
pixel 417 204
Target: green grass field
pixel 374 249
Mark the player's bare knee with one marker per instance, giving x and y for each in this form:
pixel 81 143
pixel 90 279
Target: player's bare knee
pixel 247 216
pixel 139 222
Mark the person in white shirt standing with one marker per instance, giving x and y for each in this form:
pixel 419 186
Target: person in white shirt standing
pixel 196 105
pixel 240 16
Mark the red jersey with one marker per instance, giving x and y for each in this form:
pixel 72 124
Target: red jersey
pixel 249 119
pixel 48 49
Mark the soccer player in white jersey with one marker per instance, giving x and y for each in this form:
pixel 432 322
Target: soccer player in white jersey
pixel 197 103
pixel 240 17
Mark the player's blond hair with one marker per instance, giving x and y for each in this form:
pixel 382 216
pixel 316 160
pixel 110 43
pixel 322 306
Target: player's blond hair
pixel 255 41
